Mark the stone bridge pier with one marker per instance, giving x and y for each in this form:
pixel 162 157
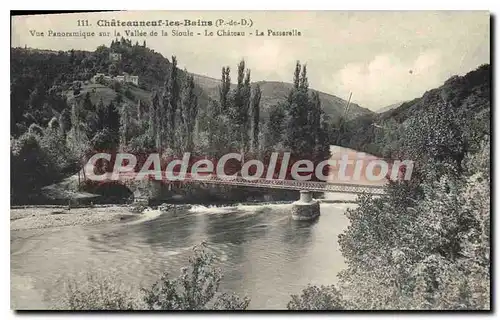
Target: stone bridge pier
pixel 147 191
pixel 305 208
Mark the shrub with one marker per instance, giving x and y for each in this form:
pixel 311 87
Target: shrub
pixel 31 167
pixel 427 254
pixel 317 298
pixel 35 129
pixel 98 293
pixel 195 289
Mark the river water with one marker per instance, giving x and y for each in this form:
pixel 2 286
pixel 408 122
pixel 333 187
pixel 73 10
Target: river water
pixel 263 253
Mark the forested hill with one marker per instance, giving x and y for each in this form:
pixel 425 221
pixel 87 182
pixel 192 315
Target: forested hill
pixel 274 92
pixel 67 105
pixel 465 99
pixel 43 82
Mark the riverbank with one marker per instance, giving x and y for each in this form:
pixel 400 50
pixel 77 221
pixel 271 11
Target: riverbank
pixel 37 217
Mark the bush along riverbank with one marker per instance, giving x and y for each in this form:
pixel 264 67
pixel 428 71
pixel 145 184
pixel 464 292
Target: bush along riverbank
pixel 196 288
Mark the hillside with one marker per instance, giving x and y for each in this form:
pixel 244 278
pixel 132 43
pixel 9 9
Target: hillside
pixel 42 87
pixel 42 82
pixel 468 97
pixel 107 94
pixel 389 107
pixel 65 106
pixel 467 94
pixel 275 91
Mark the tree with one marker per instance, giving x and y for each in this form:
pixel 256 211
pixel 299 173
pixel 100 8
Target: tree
pixel 105 140
pixel 65 121
pixel 303 82
pixel 88 116
pixel 406 257
pixel 239 108
pixel 218 141
pixel 87 104
pixel 437 136
pixel 113 70
pixel 190 111
pixel 237 105
pixel 140 110
pixel 111 118
pixel 224 89
pixel 107 136
pixel 421 247
pixel 53 144
pixel 315 117
pixel 101 112
pixel 31 168
pixel 255 117
pixel 154 110
pixel 125 125
pixel 296 76
pixel 275 127
pixel 77 88
pixel 319 133
pixel 245 112
pixel 297 136
pixel 172 98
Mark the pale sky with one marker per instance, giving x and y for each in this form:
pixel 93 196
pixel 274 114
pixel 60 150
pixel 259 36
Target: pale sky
pixel 381 57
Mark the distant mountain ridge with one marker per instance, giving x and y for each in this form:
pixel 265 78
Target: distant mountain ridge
pixel 151 67
pixel 275 91
pixel 389 107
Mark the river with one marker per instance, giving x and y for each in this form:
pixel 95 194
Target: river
pixel 263 253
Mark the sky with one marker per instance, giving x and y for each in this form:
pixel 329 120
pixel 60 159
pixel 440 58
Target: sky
pixel 382 57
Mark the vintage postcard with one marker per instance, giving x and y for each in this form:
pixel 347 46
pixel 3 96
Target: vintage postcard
pixel 250 160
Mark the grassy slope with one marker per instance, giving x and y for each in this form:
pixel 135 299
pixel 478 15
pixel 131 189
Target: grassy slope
pixel 107 94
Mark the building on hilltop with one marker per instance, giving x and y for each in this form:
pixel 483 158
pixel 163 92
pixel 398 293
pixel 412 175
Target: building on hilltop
pixel 128 78
pixel 125 78
pixel 99 77
pixel 113 56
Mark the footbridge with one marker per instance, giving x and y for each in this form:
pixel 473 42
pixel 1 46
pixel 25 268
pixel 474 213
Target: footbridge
pixel 304 209
pixel 131 179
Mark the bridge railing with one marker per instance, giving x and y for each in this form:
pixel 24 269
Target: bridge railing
pixel 317 186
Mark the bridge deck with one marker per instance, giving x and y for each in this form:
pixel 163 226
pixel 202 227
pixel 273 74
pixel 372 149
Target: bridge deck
pixel 314 186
